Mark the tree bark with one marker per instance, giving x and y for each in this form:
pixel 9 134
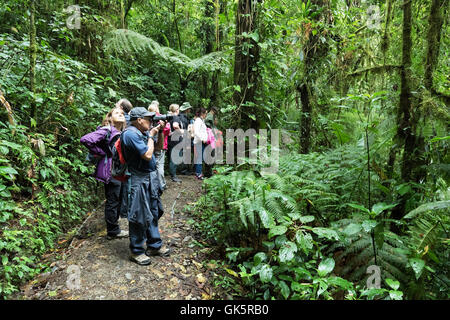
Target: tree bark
pixel 313 50
pixel 174 9
pixel 305 119
pixel 434 40
pixel 405 119
pixel 209 37
pixel 246 57
pixel 33 53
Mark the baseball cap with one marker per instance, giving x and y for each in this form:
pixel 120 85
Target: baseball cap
pixel 140 112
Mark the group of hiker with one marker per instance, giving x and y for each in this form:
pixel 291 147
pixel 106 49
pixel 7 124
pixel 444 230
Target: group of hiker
pixel 144 145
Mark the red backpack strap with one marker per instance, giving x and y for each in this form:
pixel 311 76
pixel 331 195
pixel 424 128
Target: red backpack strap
pixel 118 146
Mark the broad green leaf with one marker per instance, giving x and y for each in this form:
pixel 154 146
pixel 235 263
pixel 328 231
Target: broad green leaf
pixel 112 93
pixel 323 286
pixel 266 273
pixel 306 219
pixel 403 189
pixel 277 230
pixel 304 240
pixel 352 228
pixel 371 293
pixel 259 257
pixel 287 251
pixel 266 218
pixel 417 265
pixel 339 282
pixel 326 233
pixel 285 291
pixel 359 207
pixel 368 225
pixel 377 208
pixel 8 170
pixel 396 295
pixel 325 267
pixel 394 284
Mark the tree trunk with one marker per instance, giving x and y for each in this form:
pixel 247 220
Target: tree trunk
pixel 174 9
pixel 434 40
pixel 207 29
pixel 312 52
pixel 33 53
pixel 246 57
pixel 405 125
pixel 305 119
pixel 219 34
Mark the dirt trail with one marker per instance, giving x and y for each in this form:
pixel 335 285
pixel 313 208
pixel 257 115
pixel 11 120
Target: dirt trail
pixel 93 267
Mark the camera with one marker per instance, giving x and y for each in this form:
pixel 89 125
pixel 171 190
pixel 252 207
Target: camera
pixel 163 117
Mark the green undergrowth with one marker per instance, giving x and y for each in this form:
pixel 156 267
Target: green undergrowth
pixel 304 232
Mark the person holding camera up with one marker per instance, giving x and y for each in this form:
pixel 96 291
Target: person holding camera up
pixel 138 147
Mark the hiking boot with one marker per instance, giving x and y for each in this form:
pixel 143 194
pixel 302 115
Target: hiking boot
pixel 162 252
pixel 140 259
pixel 121 234
pixel 175 179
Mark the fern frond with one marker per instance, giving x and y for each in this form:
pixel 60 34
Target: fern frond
pixel 132 43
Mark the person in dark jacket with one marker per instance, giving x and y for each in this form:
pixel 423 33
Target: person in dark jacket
pixel 144 210
pixel 99 144
pixel 188 122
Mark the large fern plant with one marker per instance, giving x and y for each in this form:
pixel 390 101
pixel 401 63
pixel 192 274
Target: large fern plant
pixel 123 42
pixel 356 253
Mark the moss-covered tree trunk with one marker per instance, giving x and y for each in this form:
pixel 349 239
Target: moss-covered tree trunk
pixel 313 51
pixel 207 32
pixel 435 21
pixel 33 53
pixel 246 57
pixel 407 114
pixel 219 35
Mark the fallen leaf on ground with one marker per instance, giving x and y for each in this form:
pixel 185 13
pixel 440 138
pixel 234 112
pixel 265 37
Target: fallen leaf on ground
pixel 157 272
pixel 205 296
pixel 201 278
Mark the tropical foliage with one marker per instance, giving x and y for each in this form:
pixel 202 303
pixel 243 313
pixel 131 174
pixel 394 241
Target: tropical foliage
pixel 359 89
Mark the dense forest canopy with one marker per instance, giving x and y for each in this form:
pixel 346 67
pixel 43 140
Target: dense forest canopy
pixel 359 91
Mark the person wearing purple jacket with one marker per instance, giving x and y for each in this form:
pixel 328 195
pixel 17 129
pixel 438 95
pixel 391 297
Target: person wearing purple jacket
pixel 99 144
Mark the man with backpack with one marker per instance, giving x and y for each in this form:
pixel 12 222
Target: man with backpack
pixel 144 209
